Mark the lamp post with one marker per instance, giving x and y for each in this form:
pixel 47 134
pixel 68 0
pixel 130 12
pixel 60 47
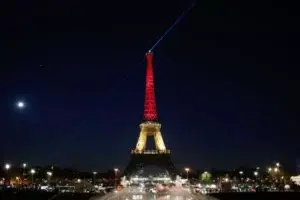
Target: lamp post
pixel 241 175
pixel 24 165
pixel 187 172
pixel 32 171
pixel 276 173
pixel 116 175
pixel 94 177
pixel 7 167
pixel 255 174
pixel 269 169
pixel 49 174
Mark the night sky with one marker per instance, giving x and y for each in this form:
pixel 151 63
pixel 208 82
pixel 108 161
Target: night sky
pixel 227 82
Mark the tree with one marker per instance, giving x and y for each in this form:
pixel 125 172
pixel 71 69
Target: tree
pixel 205 177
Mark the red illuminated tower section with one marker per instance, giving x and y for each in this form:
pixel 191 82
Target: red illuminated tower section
pixel 150 113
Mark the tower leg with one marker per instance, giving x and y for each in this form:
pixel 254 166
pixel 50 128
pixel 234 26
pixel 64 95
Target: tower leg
pixel 142 141
pixel 159 142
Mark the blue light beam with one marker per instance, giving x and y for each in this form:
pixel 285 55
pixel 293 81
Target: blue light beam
pixel 175 23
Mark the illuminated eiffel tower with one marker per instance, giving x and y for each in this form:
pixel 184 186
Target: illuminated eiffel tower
pixel 150 127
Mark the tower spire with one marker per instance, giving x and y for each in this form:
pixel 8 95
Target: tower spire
pixel 150 113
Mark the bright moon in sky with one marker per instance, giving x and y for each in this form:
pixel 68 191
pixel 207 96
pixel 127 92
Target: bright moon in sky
pixel 20 104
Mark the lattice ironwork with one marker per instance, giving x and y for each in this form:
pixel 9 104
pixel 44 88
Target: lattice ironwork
pixel 150 113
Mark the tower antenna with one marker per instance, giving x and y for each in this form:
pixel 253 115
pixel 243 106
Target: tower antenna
pixel 175 23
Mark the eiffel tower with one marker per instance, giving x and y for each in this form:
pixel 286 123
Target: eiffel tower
pixel 150 127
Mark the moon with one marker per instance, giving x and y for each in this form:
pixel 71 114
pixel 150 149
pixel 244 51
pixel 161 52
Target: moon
pixel 20 104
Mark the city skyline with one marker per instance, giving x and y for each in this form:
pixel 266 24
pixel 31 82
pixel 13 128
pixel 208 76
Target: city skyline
pixel 225 85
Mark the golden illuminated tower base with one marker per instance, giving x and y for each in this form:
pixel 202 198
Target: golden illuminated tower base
pixel 150 129
pixel 160 156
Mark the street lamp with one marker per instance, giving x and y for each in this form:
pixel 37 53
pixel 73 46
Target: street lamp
pixel 24 165
pixel 49 175
pixel 116 174
pixel 94 177
pixel 255 174
pixel 269 169
pixel 241 174
pixel 32 171
pixel 187 172
pixel 7 167
pixel 278 164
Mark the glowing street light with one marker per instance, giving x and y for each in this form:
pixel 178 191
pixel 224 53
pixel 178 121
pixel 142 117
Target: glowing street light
pixel 7 167
pixel 241 174
pixel 187 172
pixel 255 173
pixel 24 165
pixel 94 177
pixel 116 171
pixel 269 169
pixel 278 164
pixel 32 172
pixel 276 170
pixel 116 174
pixel 49 174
